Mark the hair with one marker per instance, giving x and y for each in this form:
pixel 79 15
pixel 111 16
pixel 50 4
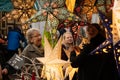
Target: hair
pixel 64 36
pixel 98 27
pixel 68 32
pixel 30 33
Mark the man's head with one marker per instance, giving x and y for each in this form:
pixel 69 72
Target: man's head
pixel 34 37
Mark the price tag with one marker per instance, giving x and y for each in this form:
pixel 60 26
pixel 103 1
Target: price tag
pixel 16 62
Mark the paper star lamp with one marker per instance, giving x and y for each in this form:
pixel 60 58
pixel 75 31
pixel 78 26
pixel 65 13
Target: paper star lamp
pixel 69 70
pixel 52 12
pixel 106 23
pixel 115 34
pixel 23 10
pixel 52 69
pixel 116 21
pixel 103 48
pixel 117 55
pixel 55 8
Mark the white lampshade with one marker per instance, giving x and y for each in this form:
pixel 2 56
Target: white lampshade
pixel 95 18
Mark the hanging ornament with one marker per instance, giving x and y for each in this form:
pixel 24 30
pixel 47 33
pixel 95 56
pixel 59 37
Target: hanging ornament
pixel 116 21
pixel 23 10
pixel 33 75
pixel 52 69
pixel 23 77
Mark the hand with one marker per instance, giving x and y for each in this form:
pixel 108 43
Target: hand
pixel 77 50
pixel 4 71
pixel 2 41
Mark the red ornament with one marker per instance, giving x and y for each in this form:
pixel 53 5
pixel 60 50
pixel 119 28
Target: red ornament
pixel 22 77
pixel 33 75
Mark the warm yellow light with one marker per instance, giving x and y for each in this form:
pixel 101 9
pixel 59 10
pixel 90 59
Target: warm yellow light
pixel 105 50
pixel 9 18
pixel 24 18
pixel 7 15
pixel 97 52
pixel 118 50
pixel 13 12
pixel 31 12
pixel 106 20
pixel 119 58
pixel 24 26
pixel 20 12
pixel 109 46
pixel 15 16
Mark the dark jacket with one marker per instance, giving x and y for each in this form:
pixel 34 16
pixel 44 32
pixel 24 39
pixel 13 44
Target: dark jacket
pixel 63 54
pixel 32 52
pixel 96 66
pixel 3 62
pixel 2 55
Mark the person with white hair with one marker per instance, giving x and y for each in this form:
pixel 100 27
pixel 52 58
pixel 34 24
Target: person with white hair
pixel 34 47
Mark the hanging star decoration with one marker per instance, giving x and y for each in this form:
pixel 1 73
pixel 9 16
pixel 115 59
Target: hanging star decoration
pixel 106 23
pixel 85 8
pixel 117 51
pixel 52 69
pixel 107 44
pixel 116 21
pixel 50 30
pixel 104 5
pixel 23 10
pixel 105 47
pixel 69 70
pixel 54 8
pixel 116 32
pixel 52 11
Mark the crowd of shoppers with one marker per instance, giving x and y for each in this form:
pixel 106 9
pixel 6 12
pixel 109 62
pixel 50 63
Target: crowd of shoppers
pixel 90 67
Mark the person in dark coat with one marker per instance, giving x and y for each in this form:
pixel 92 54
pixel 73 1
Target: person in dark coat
pixel 14 37
pixel 96 66
pixel 33 49
pixel 5 68
pixel 2 58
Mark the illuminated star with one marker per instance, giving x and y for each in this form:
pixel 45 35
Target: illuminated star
pixel 52 69
pixel 69 70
